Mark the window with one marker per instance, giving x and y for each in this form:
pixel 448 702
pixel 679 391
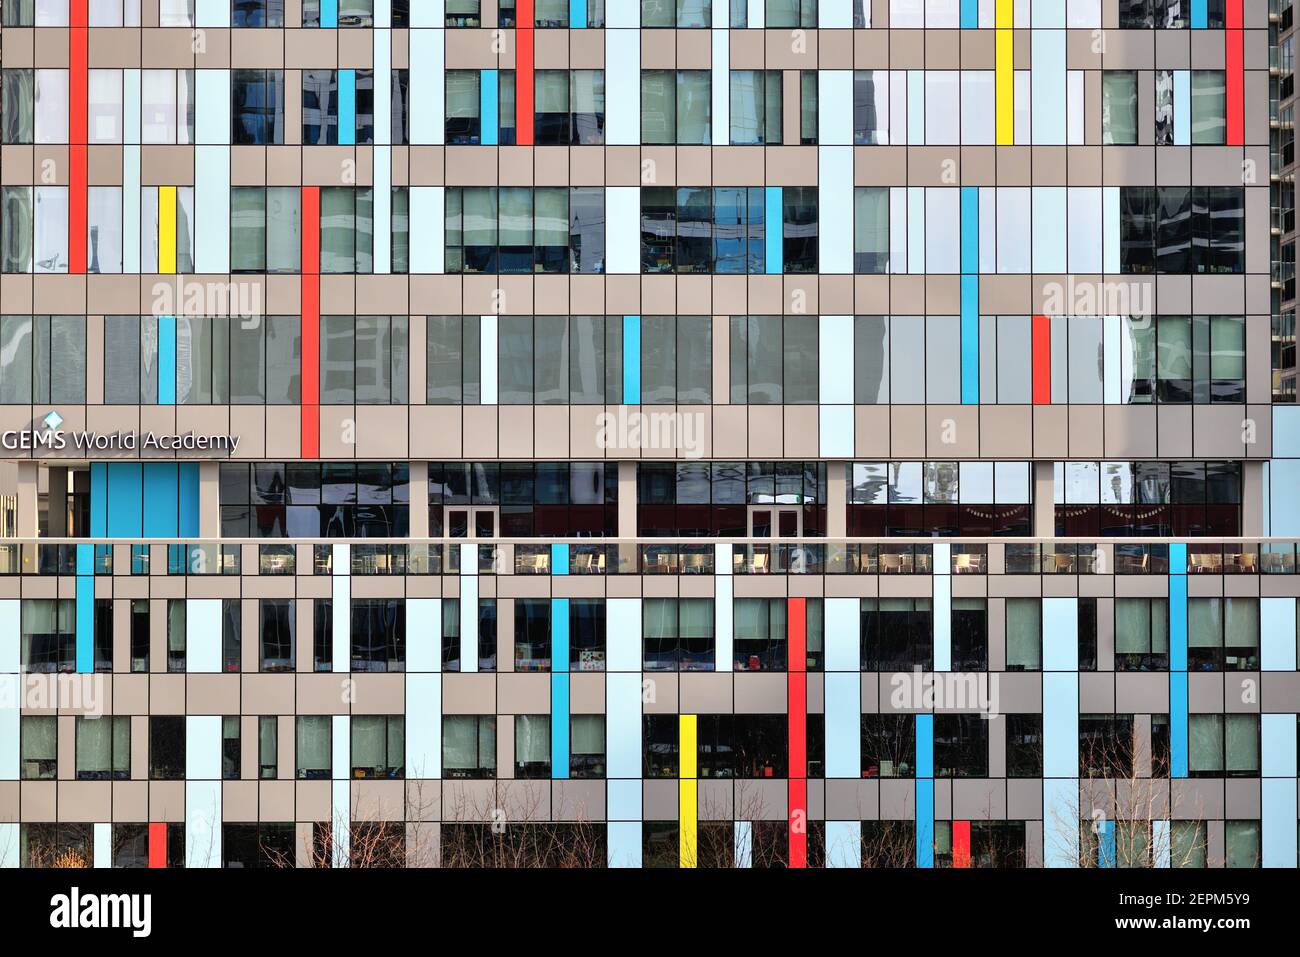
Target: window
pixel 789 14
pixel 230 748
pixel 676 360
pixel 519 229
pixel 276 632
pixel 176 634
pixel 676 107
pixel 1188 359
pixel 1209 107
pixel 346 229
pixel 532 746
pixel 1222 634
pixel 56 845
pixel 313 740
pixel 257 13
pixel 309 499
pixel 888 844
pixel 1223 745
pixel 742 746
pixel 265 229
pixel 256 107
pixel 1141 634
pixel 379 634
pixel 139 635
pixel 1024 634
pixel 364 360
pixel 1024 745
pixel 32 110
pixel 871 229
pixel 698 230
pixel 268 747
pixel 39 737
pixel 888 745
pixel 774 360
pixel 678 634
pixel 258 845
pixel 587 746
pixel 895 634
pixel 1107 745
pixel 531 498
pixel 970 636
pixel 1148 498
pixel 569 107
pixel 378 746
pixel 689 499
pixel 451 635
pixel 49 636
pixel 870 108
pixel 586 634
pixel 532 634
pixel 1119 125
pixel 961 746
pixel 756 107
pixel 166 747
pixel 103 748
pixel 42 360
pixel 1087 624
pixel 1187 844
pixel 469 746
pixel 1181 229
pixel 322 634
pixel 321 113
pixel 659 745
pixel 760 634
pixel 677 13
pixel 1242 847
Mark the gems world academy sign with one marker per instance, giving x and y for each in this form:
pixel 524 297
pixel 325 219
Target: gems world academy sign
pixel 54 439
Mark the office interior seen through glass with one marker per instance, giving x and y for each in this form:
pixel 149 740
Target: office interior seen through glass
pixel 700 433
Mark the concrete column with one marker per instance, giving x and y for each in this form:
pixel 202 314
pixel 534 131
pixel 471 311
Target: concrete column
pixel 1254 507
pixel 837 499
pixel 28 476
pixel 1044 507
pixel 627 513
pixel 419 495
pixel 57 502
pixel 209 499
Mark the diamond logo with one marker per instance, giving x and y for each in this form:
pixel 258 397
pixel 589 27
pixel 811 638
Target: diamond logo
pixel 53 420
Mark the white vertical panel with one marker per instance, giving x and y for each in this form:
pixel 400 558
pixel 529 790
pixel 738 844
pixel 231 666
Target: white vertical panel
pixel 723 624
pixel 1074 107
pixel 623 229
pixel 623 83
pixel 844 844
pixel 1084 229
pixel 423 634
pixel 916 107
pixel 468 608
pixel 1049 215
pixel 429 109
pixel 623 627
pixel 898 245
pixel 341 607
pixel 988 229
pixel 203 635
pixel 428 13
pixel 916 229
pixel 487 363
pixel 757 13
pixel 212 209
pixel 428 230
pixel 212 107
pixel 211 13
pixel 834 108
pixel 942 607
pixel 203 747
pixel 898 122
pixel 721 80
pixel 835 203
pixel 9 843
pixel 835 359
pixel 103 845
pixel 423 726
pixel 1110 228
pixel 1112 363
pixel 838 14
pixel 382 163
pixel 1047 81
pixel 202 824
pixel 743 847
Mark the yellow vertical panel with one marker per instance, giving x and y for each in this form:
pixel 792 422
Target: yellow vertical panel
pixel 1005 83
pixel 1004 15
pixel 686 746
pixel 687 793
pixel 167 229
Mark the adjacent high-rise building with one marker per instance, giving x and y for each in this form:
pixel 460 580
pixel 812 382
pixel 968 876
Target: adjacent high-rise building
pixel 853 433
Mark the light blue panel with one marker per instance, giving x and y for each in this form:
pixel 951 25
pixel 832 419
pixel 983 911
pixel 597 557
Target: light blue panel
pixel 723 621
pixel 131 207
pixel 1160 843
pixel 1200 14
pixel 1278 821
pixel 9 845
pixel 1049 212
pixel 161 491
pixel 130 106
pixel 843 704
pixel 757 12
pixel 211 13
pixel 1060 817
pixel 423 725
pixel 1112 344
pixel 623 79
pixel 774 225
pixel 835 360
pixel 1060 724
pixel 85 606
pixel 167 365
pixel 623 638
pixel 844 844
pixel 103 853
pixel 1278 745
pixel 631 360
pixel 1106 843
pixel 1046 14
pixel 329 13
pixel 1047 86
pixel 623 723
pixel 341 810
pixel 970 337
pixel 838 14
pixel 560 725
pixel 487 357
pixel 203 635
pixel 835 431
pixel 1178 709
pixel 1277 628
pixel 123 500
pixel 429 122
pixel 624 798
pixel 915 107
pixel 212 107
pixel 578 14
pixel 1110 228
pixel 11 688
pixel 835 108
pixel 1182 107
pixel 383 15
pixel 843 629
pixel 98 501
pixel 835 202
pixel 489 106
pixel 203 819
pixel 341 607
pixel 382 58
pixel 560 564
pixel 428 235
pixel 1286 431
pixel 187 495
pixel 722 562
pixel 382 209
pixel 915 229
pixel 898 247
pixel 348 107
pixel 341 747
pixel 925 745
pixel 423 635
pixel 942 618
pixel 427 13
pixel 970 230
pixel 1283 503
pixel 1060 634
pixel 10 629
pixel 623 838
pixel 211 214
pixel 988 229
pixel 623 228
pixel 720 81
pixel 924 822
pixel 203 747
pixel 468 608
pixel 742 833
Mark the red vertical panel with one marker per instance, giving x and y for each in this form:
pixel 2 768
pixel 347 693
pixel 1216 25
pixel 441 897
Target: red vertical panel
pixel 797 707
pixel 310 308
pixel 961 843
pixel 524 72
pixel 1042 359
pixel 157 845
pixel 78 95
pixel 1235 68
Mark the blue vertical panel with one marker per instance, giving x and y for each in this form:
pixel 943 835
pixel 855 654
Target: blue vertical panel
pixel 469 608
pixel 834 198
pixel 348 107
pixel 1178 708
pixel 162 492
pixel 723 609
pixel 1182 107
pixel 623 840
pixel 560 725
pixel 925 745
pixel 1277 628
pixel 1178 703
pixel 428 235
pixel 970 14
pixel 560 562
pixel 774 223
pixel 1060 634
pixel 622 228
pixel 341 607
pixel 942 608
pixel 577 14
pixel 203 635
pixel 970 338
pixel 167 357
pixel 123 500
pixel 489 107
pixel 925 822
pixel 1106 843
pixel 85 560
pixel 631 360
pixel 203 819
pixel 559 634
pixel 329 13
pixel 98 499
pixel 1200 14
pixel 428 123
pixel 85 622
pixel 423 725
pixel 1047 86
pixel 622 76
pixel 211 212
pixel 188 500
pixel 970 229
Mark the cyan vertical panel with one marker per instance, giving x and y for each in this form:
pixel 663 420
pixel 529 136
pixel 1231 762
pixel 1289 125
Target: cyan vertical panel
pixel 925 745
pixel 1178 709
pixel 622 77
pixel 631 360
pixel 577 14
pixel 423 726
pixel 970 336
pixel 924 822
pixel 560 562
pixel 1277 627
pixel 188 499
pixel 329 13
pixel 488 108
pixel 1178 702
pixel 1200 14
pixel 559 634
pixel 123 500
pixel 970 229
pixel 970 14
pixel 1106 843
pixel 774 223
pixel 85 622
pixel 348 107
pixel 162 492
pixel 428 123
pixel 560 725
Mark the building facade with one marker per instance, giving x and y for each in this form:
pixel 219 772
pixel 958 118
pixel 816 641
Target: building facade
pixel 853 433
